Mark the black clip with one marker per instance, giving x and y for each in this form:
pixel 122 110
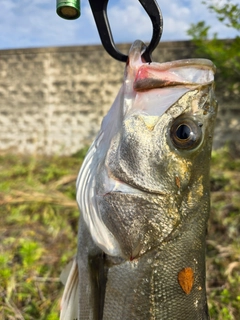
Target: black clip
pixel 99 9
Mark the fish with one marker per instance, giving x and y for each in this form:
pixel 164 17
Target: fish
pixel 144 196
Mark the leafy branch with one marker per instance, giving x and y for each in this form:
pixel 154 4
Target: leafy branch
pixel 225 54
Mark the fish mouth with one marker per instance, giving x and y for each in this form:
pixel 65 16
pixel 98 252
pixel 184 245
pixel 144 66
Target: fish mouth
pixel 118 186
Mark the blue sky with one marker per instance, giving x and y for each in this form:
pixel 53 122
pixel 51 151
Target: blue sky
pixel 34 23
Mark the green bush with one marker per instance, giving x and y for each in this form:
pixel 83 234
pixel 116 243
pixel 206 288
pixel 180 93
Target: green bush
pixel 225 54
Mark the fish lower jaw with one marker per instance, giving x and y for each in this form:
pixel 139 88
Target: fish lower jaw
pixel 115 185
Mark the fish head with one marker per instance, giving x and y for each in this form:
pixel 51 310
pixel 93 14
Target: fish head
pixel 148 168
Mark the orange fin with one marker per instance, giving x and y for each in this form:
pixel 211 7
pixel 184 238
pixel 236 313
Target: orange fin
pixel 186 279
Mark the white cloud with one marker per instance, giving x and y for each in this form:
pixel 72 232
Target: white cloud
pixel 179 15
pixel 34 23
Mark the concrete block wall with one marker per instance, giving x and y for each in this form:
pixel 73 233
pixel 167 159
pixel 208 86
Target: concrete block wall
pixel 52 100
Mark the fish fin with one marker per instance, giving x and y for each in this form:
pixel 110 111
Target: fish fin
pixel 66 271
pixel 70 298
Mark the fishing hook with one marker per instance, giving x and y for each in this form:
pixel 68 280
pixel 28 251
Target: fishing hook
pixel 99 10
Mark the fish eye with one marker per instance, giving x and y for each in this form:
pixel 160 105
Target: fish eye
pixel 185 133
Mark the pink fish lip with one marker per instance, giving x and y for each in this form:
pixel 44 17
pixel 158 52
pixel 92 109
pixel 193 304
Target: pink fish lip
pixel 160 76
pixel 146 79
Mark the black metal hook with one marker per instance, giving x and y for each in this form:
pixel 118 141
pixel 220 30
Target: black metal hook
pixel 99 9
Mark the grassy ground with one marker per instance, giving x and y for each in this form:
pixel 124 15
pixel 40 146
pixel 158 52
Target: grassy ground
pixel 38 234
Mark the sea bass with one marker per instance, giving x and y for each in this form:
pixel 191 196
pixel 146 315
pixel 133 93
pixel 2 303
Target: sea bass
pixel 143 193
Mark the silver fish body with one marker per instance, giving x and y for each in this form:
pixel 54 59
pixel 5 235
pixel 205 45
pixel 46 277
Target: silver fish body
pixel 143 191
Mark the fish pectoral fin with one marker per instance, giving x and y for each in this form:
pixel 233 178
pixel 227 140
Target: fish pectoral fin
pixel 66 271
pixel 70 298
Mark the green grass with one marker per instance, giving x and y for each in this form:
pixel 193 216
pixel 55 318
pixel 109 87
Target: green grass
pixel 223 241
pixel 38 234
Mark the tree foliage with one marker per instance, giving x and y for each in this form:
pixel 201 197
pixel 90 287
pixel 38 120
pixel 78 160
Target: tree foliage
pixel 224 53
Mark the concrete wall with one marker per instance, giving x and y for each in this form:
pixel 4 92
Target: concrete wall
pixel 52 100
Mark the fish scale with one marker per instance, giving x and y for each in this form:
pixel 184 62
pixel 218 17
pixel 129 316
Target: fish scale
pixel 144 195
pixel 163 298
